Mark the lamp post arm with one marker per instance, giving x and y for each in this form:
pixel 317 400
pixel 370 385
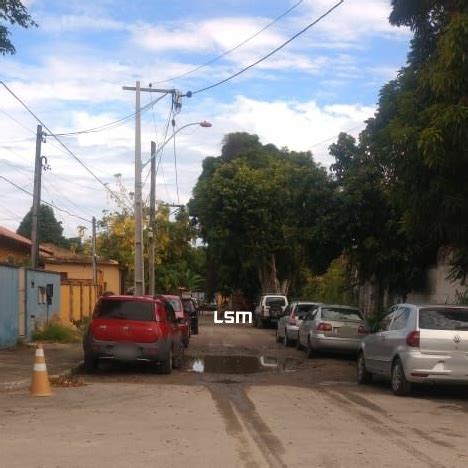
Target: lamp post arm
pixel 167 141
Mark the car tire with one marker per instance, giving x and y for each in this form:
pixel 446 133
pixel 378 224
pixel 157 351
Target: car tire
pixel 278 337
pixel 166 365
pixel 364 377
pixel 89 363
pixel 259 322
pixel 400 386
pixel 178 361
pixel 310 351
pixel 298 343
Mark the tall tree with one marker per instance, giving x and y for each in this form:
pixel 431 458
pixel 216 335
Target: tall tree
pixel 14 13
pixel 50 229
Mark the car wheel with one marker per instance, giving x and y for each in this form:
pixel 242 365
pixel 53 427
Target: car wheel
pixel 89 363
pixel 400 385
pixel 310 350
pixel 278 337
pixel 363 375
pixel 178 361
pixel 166 365
pixel 259 322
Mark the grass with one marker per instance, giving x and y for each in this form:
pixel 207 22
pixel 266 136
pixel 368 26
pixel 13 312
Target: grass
pixel 58 333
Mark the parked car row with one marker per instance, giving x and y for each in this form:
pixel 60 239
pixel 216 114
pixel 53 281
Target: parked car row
pixel 411 344
pixel 155 329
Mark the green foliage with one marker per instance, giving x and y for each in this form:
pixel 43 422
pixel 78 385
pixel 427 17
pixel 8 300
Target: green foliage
pixel 58 333
pixel 50 229
pixel 331 287
pixel 13 12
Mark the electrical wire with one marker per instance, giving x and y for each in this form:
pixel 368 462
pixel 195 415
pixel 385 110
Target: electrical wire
pixel 43 201
pixel 227 52
pixel 274 51
pixel 68 150
pixel 115 123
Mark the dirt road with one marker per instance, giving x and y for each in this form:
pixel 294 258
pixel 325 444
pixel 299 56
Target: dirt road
pixel 288 411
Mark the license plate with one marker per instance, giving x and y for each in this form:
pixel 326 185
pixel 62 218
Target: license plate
pixel 126 353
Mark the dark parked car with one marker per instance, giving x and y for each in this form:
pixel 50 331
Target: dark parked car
pixel 133 328
pixel 190 308
pixel 183 318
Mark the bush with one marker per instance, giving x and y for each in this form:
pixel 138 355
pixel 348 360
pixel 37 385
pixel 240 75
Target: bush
pixel 56 332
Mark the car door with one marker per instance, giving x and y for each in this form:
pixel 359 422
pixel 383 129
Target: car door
pixel 283 320
pixel 175 333
pixel 375 343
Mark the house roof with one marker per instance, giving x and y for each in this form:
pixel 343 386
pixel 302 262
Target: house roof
pixel 12 237
pixel 62 255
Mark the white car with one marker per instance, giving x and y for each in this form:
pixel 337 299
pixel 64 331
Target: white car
pixel 269 309
pixel 288 325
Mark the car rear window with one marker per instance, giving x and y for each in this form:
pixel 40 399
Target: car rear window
pixel 188 305
pixel 302 309
pixel 443 318
pixel 126 310
pixel 331 313
pixel 277 301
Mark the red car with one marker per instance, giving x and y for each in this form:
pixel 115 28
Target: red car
pixel 134 328
pixel 182 317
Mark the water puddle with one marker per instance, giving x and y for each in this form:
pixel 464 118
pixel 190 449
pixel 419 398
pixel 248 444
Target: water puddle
pixel 238 364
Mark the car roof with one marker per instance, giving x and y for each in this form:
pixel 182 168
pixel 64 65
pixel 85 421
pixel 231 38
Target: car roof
pixel 169 296
pixel 421 306
pixel 122 297
pixel 339 306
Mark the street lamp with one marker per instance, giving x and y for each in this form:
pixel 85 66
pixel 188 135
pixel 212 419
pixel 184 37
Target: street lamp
pixel 203 124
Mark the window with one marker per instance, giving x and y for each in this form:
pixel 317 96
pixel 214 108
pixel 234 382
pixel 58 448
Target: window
pixel 443 318
pixel 171 316
pixel 400 319
pixel 303 309
pixel 384 324
pixel 331 313
pixel 140 311
pixel 275 301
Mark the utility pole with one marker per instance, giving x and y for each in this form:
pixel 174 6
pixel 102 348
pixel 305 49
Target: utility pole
pixel 94 251
pixel 152 215
pixel 36 200
pixel 138 258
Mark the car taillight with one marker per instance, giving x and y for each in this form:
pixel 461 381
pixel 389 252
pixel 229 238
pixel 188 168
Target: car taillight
pixel 363 329
pixel 324 327
pixel 413 339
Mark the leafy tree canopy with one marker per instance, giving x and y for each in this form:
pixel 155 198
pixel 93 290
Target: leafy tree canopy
pixel 15 13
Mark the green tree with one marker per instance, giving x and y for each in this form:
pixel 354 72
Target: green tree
pixel 14 13
pixel 50 229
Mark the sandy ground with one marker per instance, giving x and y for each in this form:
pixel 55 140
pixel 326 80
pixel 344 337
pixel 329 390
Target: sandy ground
pixel 300 413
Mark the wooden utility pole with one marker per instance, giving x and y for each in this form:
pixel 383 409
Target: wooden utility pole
pixel 152 221
pixel 94 250
pixel 36 200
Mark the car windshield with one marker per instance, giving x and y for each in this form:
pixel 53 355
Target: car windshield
pixel 277 301
pixel 443 318
pixel 303 309
pixel 140 311
pixel 338 313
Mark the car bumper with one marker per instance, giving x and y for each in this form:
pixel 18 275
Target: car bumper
pixel 292 331
pixel 420 367
pixel 326 343
pixel 121 351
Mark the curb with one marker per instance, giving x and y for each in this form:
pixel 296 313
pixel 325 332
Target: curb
pixel 25 383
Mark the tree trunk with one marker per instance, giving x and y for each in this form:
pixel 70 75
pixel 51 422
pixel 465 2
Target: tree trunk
pixel 267 276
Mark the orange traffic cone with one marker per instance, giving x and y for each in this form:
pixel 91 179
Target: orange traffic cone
pixel 40 380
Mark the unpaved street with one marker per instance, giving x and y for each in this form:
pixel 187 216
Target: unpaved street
pixel 293 412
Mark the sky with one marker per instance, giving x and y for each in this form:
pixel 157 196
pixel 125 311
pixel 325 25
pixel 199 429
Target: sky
pixel 71 68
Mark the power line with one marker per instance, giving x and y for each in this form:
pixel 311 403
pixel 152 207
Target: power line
pixel 274 51
pixel 227 52
pixel 115 123
pixel 68 150
pixel 43 201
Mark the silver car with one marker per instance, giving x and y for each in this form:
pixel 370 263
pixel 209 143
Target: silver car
pixel 417 343
pixel 288 325
pixel 333 328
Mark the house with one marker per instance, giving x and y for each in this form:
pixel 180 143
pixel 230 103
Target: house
pixel 16 249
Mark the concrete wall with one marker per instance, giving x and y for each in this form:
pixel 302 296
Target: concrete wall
pixel 38 312
pixel 9 305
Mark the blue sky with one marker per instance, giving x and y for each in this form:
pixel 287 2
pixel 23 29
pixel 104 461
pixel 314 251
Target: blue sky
pixel 71 69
